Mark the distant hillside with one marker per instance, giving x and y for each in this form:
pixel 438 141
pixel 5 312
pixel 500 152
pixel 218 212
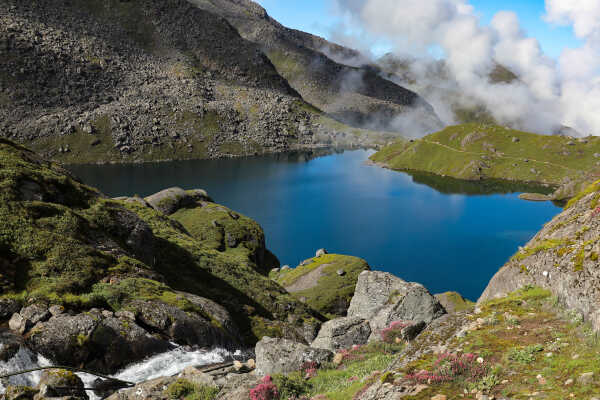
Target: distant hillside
pixel 92 80
pixel 476 152
pixel 357 96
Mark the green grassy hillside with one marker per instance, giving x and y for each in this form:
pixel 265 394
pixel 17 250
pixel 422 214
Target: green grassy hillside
pixel 325 283
pixel 63 242
pixel 476 152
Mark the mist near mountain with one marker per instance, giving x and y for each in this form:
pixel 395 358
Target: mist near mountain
pixel 548 95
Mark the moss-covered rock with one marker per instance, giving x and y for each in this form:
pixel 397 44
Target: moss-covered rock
pixel 225 230
pixel 453 302
pixel 325 283
pixel 65 243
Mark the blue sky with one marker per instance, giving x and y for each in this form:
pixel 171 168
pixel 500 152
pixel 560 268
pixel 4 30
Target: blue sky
pixel 316 16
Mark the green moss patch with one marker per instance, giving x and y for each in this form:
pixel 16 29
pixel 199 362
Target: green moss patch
pixel 319 285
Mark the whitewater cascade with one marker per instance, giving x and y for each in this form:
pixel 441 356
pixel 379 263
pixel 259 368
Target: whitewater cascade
pixel 165 364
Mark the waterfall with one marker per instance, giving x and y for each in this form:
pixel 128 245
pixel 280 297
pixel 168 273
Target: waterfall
pixel 165 364
pixel 170 363
pixel 24 359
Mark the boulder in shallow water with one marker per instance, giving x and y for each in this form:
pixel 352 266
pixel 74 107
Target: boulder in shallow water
pixel 282 356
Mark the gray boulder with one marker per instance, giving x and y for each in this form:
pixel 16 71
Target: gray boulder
pixel 383 298
pixel 282 356
pixel 36 313
pixel 320 252
pixel 19 324
pixel 28 316
pixel 185 328
pixel 170 200
pixel 342 333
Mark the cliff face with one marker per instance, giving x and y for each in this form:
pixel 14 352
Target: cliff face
pixel 140 80
pixel 320 71
pixel 562 257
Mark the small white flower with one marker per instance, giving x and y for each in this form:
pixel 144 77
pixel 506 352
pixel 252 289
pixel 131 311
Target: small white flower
pixel 480 360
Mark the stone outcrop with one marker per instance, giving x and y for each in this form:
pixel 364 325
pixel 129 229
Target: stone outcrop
pixel 562 257
pixel 382 298
pixel 276 356
pixel 103 343
pixel 342 333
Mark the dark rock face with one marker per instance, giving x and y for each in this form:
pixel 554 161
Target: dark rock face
pixel 281 356
pixel 103 343
pixel 562 257
pixel 186 328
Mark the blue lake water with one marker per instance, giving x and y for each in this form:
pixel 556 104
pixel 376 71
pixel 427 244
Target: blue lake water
pixel 445 234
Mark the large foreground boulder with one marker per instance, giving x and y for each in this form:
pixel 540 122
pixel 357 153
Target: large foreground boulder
pixel 282 356
pixel 110 342
pixel 342 333
pixel 382 298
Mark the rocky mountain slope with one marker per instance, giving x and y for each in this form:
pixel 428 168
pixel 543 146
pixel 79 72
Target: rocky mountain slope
pixel 320 71
pixel 479 152
pixel 87 81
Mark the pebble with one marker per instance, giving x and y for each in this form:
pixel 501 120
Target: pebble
pixel 568 382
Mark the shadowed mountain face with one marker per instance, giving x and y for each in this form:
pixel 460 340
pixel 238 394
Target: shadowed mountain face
pixel 358 96
pixel 86 81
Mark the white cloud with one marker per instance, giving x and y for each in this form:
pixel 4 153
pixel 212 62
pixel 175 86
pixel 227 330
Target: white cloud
pixel 548 93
